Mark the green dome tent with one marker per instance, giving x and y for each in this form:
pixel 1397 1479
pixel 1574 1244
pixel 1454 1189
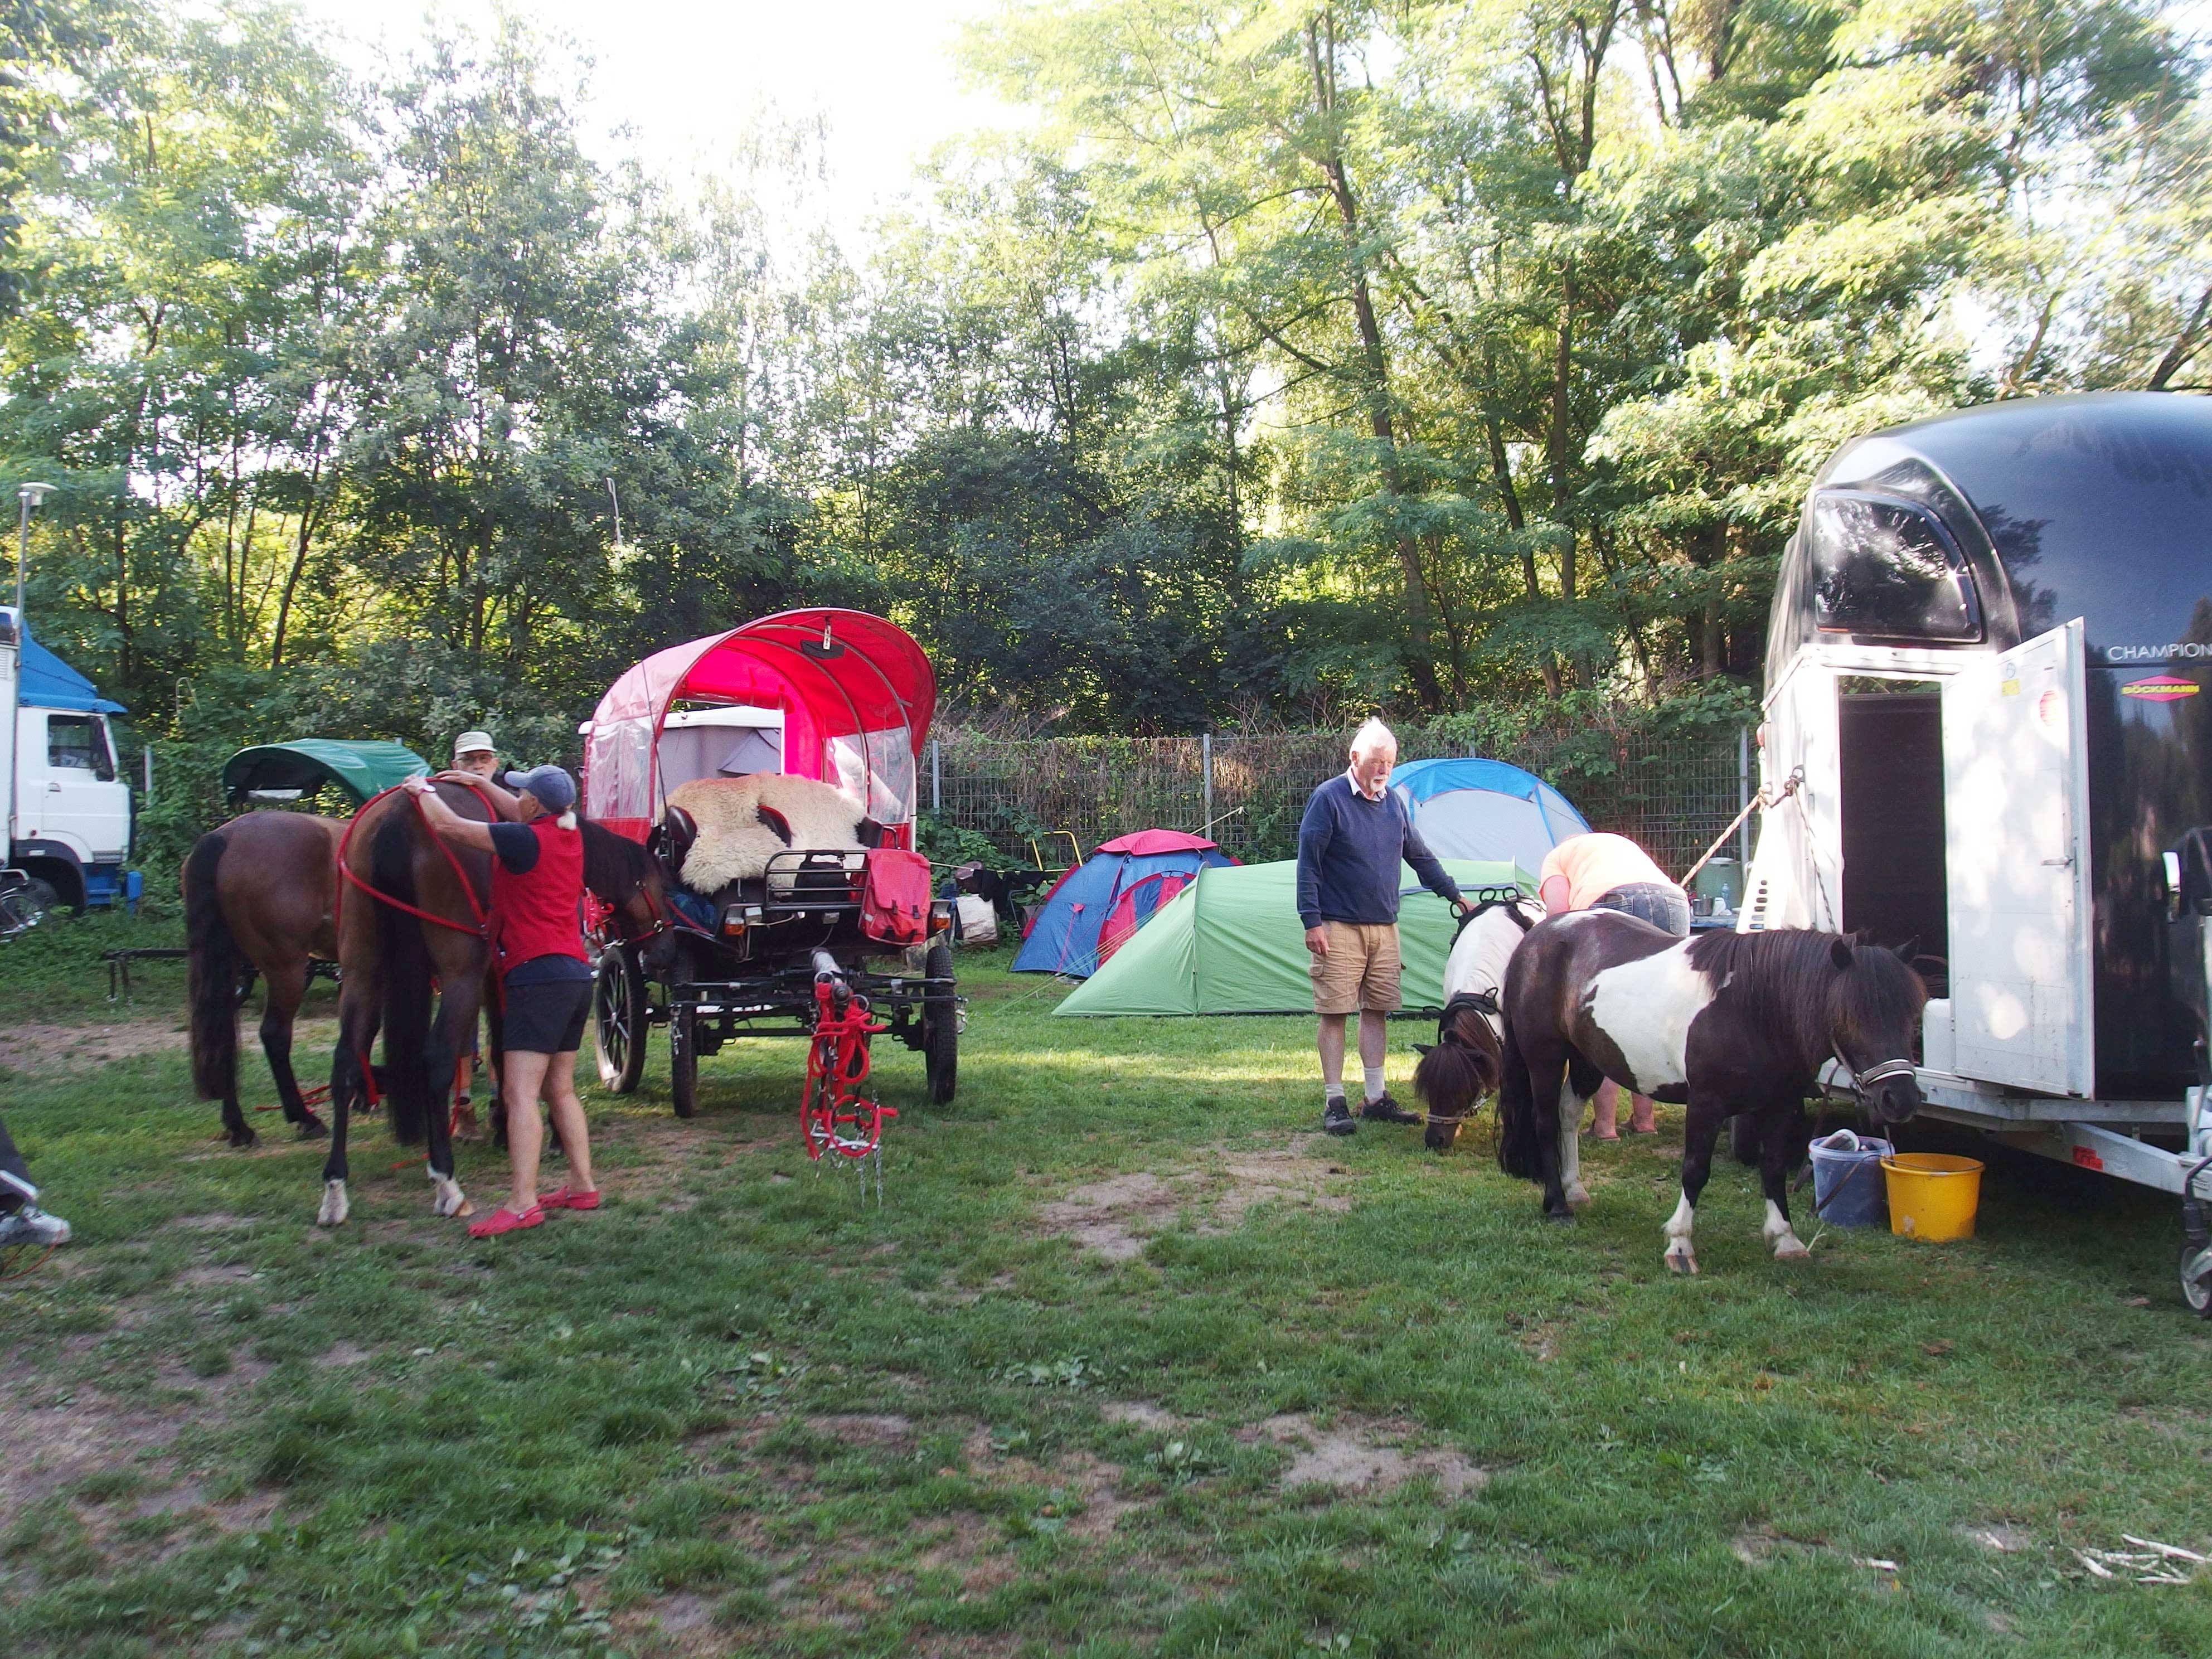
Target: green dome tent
pixel 1230 943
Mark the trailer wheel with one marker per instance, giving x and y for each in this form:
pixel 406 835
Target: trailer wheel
pixel 2196 1271
pixel 682 1061
pixel 619 1020
pixel 940 1029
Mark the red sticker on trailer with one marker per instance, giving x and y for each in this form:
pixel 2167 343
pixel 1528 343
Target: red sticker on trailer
pixel 2087 1159
pixel 2160 688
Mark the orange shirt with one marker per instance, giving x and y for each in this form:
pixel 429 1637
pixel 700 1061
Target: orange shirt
pixel 1594 864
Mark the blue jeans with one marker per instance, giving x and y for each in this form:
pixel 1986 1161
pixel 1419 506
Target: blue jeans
pixel 1662 904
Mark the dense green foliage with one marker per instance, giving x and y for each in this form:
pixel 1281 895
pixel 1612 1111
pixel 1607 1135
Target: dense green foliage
pixel 1294 358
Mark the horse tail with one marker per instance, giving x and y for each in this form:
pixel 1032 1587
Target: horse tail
pixel 213 964
pixel 1519 1142
pixel 409 1088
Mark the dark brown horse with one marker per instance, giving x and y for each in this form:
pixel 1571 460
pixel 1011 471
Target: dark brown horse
pixel 1724 1022
pixel 409 920
pixel 258 896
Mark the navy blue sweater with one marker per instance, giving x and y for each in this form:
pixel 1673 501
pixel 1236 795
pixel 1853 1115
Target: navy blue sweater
pixel 1348 852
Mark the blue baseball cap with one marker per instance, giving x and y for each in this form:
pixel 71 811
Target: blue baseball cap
pixel 555 789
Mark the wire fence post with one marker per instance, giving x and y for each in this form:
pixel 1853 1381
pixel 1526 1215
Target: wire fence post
pixel 1743 795
pixel 936 778
pixel 1205 772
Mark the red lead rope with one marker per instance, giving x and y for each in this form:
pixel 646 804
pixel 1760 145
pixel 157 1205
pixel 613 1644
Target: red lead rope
pixel 482 929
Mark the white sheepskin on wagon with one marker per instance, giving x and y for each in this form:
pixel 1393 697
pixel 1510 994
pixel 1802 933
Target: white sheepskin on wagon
pixel 735 842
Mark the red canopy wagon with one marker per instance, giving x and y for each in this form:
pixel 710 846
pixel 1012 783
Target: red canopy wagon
pixel 810 945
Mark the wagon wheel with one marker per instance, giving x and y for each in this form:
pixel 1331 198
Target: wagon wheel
pixel 2196 1278
pixel 940 1028
pixel 682 1059
pixel 619 1020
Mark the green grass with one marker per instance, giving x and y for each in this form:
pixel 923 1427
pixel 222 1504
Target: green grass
pixel 736 1411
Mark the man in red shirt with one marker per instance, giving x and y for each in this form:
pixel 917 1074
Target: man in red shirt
pixel 537 941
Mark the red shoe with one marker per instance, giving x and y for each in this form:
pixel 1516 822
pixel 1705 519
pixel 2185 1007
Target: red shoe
pixel 505 1221
pixel 567 1198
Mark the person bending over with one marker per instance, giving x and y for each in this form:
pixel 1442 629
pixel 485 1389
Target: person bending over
pixel 537 941
pixel 1351 841
pixel 1600 872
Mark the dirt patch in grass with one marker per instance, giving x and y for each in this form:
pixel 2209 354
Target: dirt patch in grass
pixel 44 1449
pixel 1364 1455
pixel 34 1046
pixel 1143 1413
pixel 866 1428
pixel 1114 1218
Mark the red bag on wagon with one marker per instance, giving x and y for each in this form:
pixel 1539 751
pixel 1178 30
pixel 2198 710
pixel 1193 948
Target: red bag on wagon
pixel 894 896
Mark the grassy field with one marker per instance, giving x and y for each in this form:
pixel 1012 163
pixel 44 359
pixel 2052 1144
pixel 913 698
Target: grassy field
pixel 1131 1362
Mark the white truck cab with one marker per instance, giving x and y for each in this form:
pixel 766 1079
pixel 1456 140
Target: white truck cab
pixel 69 807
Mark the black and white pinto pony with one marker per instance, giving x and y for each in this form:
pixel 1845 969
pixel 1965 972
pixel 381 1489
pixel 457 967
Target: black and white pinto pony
pixel 1463 1066
pixel 1723 1022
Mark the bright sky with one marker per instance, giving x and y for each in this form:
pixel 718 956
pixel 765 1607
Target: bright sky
pixel 687 76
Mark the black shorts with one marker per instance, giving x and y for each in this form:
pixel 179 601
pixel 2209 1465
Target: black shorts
pixel 547 1018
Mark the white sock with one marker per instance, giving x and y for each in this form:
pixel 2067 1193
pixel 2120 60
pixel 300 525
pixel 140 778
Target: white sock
pixel 1373 1077
pixel 1330 1091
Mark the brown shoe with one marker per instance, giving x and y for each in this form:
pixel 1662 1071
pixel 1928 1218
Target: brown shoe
pixel 1387 1110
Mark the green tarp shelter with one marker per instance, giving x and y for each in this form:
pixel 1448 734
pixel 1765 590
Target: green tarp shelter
pixel 285 771
pixel 1230 944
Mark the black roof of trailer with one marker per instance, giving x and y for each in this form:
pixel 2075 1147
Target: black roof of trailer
pixel 2096 505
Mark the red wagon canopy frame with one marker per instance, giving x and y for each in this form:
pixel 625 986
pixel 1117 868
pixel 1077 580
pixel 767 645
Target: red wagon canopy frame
pixel 855 692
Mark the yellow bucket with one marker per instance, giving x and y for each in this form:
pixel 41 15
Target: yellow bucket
pixel 1932 1194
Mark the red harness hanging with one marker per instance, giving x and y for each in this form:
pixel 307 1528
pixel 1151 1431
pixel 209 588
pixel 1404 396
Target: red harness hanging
pixel 833 1116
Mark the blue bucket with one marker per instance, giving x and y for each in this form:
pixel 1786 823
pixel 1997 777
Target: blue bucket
pixel 1848 1188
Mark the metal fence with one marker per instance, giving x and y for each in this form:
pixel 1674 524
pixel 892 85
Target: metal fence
pixel 1671 794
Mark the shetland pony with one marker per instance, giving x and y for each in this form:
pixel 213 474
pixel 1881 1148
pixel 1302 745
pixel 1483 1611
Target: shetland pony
pixel 1463 1066
pixel 1723 1022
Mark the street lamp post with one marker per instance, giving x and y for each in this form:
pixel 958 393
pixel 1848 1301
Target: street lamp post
pixel 31 495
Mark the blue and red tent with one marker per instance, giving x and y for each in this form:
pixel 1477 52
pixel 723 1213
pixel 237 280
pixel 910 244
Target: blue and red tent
pixel 1098 904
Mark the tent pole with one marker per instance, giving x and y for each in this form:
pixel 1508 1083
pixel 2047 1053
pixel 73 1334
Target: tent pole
pixel 1206 769
pixel 936 782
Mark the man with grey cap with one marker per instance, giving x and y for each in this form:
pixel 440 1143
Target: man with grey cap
pixel 538 946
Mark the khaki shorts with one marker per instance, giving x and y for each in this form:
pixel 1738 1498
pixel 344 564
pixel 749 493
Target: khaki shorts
pixel 1360 970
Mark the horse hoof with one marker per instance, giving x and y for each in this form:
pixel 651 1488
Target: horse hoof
pixel 1561 1218
pixel 1577 1194
pixel 336 1206
pixel 243 1139
pixel 1791 1249
pixel 314 1128
pixel 1682 1261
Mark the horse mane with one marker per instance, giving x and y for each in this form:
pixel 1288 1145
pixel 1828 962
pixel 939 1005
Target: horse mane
pixel 1786 981
pixel 615 866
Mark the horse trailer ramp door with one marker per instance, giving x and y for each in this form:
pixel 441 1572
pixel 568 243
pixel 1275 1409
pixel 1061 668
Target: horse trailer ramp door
pixel 2015 776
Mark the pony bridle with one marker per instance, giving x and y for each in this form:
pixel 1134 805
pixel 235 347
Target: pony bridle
pixel 1862 1081
pixel 1483 1002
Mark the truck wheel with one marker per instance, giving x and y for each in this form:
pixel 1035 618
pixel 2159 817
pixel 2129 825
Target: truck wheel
pixel 682 1061
pixel 620 1020
pixel 940 1028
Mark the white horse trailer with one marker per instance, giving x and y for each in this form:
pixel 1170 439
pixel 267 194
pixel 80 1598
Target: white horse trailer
pixel 1988 668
